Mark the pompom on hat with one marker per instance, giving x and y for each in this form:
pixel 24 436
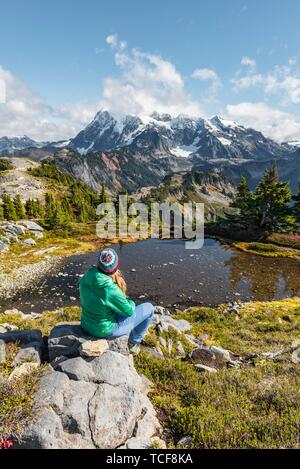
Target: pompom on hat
pixel 108 261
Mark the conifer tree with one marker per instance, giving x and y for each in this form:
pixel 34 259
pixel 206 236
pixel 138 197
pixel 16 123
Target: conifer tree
pixel 19 208
pixel 267 208
pixel 272 199
pixel 297 201
pixel 103 196
pixel 9 211
pixel 37 208
pixel 49 211
pixel 29 208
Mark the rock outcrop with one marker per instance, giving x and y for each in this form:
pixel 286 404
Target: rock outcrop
pixel 10 232
pixel 90 395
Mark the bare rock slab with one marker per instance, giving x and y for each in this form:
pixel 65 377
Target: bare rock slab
pixel 93 348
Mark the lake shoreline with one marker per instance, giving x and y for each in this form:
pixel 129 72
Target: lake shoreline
pixel 162 272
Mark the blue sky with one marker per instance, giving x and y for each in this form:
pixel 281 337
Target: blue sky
pixel 60 61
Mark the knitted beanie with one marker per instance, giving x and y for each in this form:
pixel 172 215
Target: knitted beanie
pixel 108 261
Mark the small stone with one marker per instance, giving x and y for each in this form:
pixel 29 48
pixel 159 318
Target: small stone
pixel 29 242
pixel 72 298
pixel 28 355
pixel 296 356
pixel 221 352
pixel 201 367
pixel 22 370
pixel 162 341
pixel 271 355
pixel 170 346
pixel 202 354
pixel 2 352
pixel 4 247
pixel 155 352
pixel 180 349
pixel 37 234
pixel 185 442
pixel 93 348
pixel 296 343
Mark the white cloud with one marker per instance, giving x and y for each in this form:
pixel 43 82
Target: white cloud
pixel 246 61
pixel 148 83
pixel 2 91
pixel 274 123
pixel 23 112
pixel 282 82
pixel 112 40
pixel 206 74
pixel 80 113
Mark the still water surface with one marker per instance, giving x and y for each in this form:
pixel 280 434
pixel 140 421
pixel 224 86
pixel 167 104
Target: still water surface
pixel 164 272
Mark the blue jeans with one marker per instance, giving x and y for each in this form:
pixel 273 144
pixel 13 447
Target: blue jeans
pixel 136 325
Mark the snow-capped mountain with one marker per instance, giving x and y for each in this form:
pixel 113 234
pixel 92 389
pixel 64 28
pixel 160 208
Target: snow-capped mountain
pixel 162 136
pixel 182 136
pixel 293 143
pixel 133 152
pixel 10 144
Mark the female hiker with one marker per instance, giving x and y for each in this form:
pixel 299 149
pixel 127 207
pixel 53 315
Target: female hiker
pixel 106 310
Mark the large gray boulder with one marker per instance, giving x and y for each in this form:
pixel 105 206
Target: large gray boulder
pixel 30 225
pixel 67 339
pixel 15 229
pixel 114 411
pixel 89 401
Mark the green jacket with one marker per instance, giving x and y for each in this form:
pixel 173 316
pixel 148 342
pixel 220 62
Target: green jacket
pixel 101 301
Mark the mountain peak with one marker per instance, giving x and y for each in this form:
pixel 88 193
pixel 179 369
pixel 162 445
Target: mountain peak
pixel 164 117
pixel 221 122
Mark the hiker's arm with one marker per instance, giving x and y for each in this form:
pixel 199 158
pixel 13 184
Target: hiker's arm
pixel 118 301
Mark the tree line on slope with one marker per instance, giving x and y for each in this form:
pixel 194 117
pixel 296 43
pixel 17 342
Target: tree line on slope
pixel 76 203
pixel 269 208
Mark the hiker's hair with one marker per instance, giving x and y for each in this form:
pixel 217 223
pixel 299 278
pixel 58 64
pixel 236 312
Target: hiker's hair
pixel 119 279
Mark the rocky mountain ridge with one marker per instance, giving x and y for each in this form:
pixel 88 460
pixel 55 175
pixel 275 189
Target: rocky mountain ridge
pixel 180 136
pixel 133 152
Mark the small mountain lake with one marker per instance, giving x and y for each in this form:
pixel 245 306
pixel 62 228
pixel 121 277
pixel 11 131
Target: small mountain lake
pixel 164 272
